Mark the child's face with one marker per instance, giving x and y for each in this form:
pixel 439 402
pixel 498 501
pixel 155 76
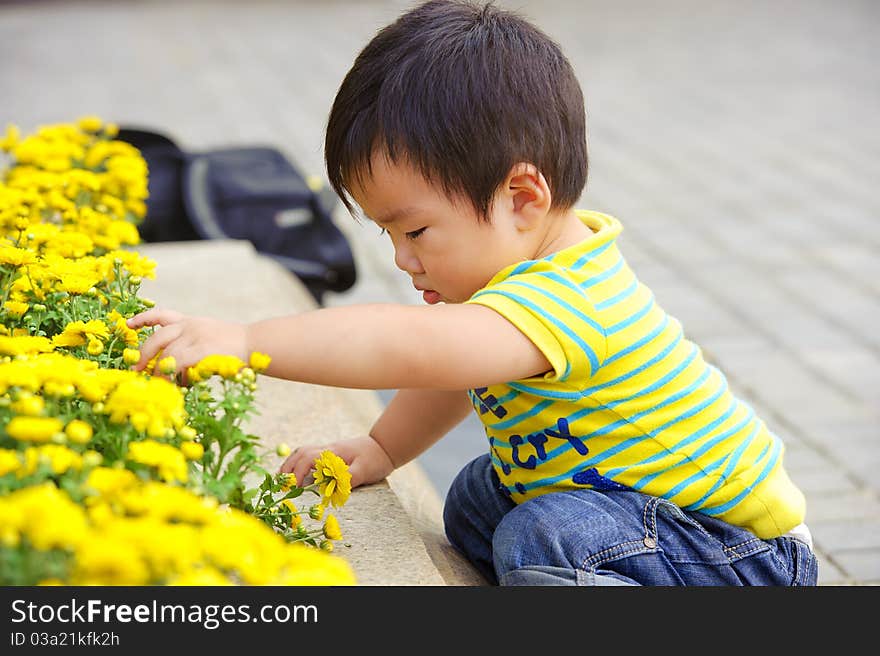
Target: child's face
pixel 445 248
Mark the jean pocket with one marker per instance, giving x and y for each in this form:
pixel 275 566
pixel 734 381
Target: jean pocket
pixel 700 539
pixel 803 564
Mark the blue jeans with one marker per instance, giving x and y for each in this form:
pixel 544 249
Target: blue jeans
pixel 591 537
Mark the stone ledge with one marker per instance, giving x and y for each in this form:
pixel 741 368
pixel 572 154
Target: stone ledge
pixel 394 527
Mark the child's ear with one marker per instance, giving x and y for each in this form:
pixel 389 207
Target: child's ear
pixel 527 194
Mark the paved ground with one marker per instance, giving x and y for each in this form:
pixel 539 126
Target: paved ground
pixel 737 142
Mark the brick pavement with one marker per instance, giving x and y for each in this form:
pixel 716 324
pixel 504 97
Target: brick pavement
pixel 736 141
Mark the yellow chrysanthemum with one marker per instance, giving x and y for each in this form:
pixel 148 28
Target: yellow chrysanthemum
pixel 131 356
pixel 10 255
pixel 25 345
pixel 45 515
pixel 295 519
pixel 110 482
pixel 333 478
pixel 33 429
pixel 192 450
pixel 168 365
pixel 153 405
pixel 58 458
pixel 9 461
pixel 169 461
pixel 16 308
pixel 117 322
pixel 95 346
pixel 10 139
pixel 89 123
pixel 223 365
pixel 287 481
pixel 259 361
pixel 109 562
pixel 29 404
pixel 79 432
pixel 331 528
pixel 78 333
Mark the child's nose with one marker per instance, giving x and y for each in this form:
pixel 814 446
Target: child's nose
pixel 406 260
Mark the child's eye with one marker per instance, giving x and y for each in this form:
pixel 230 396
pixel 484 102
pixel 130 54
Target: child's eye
pixel 415 233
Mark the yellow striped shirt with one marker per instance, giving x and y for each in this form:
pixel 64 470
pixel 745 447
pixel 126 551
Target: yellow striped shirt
pixel 630 402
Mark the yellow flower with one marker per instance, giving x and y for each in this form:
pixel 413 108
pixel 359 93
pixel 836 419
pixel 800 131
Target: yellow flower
pixel 10 140
pixel 131 356
pixel 109 561
pixel 95 346
pixel 33 429
pixel 110 482
pixel 201 576
pixel 16 256
pixel 16 308
pixel 121 328
pixel 316 512
pixel 46 516
pixel 89 123
pixel 9 461
pixel 150 404
pixel 168 365
pixel 59 458
pixel 259 361
pixel 167 459
pixel 24 345
pixel 79 432
pixel 295 519
pixel 282 450
pixel 331 528
pixel 333 478
pixel 223 365
pixel 287 481
pixel 77 333
pixel 30 405
pixel 192 450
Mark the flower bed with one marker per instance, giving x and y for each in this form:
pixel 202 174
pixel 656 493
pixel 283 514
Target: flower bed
pixel 110 476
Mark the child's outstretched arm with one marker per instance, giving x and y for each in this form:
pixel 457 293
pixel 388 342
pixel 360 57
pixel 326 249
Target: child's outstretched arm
pixel 448 346
pixel 409 425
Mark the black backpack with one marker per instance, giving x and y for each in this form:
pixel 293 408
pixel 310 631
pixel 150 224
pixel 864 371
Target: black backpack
pixel 251 193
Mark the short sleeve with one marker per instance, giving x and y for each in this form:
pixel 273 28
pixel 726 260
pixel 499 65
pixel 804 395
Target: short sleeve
pixel 555 314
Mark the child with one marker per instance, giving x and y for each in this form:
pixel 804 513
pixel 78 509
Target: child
pixel 616 455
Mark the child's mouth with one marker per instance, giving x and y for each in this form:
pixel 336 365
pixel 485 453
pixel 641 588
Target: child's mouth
pixel 430 296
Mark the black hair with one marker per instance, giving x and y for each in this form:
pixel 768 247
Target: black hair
pixel 462 92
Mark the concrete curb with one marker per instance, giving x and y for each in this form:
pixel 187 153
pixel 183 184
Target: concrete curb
pixel 394 528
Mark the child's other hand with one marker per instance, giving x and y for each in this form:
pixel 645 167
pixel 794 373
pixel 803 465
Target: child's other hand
pixel 366 460
pixel 187 339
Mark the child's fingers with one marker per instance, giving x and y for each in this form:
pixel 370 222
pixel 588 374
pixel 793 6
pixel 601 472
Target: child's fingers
pixel 157 342
pixel 299 463
pixel 303 466
pixel 154 317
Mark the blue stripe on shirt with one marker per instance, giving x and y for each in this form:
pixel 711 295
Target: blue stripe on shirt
pixel 618 298
pixel 771 463
pixel 631 319
pixel 594 360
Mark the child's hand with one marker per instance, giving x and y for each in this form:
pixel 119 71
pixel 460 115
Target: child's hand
pixel 366 459
pixel 188 339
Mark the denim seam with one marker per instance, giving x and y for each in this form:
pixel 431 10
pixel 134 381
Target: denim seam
pixel 681 515
pixel 795 571
pixel 613 553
